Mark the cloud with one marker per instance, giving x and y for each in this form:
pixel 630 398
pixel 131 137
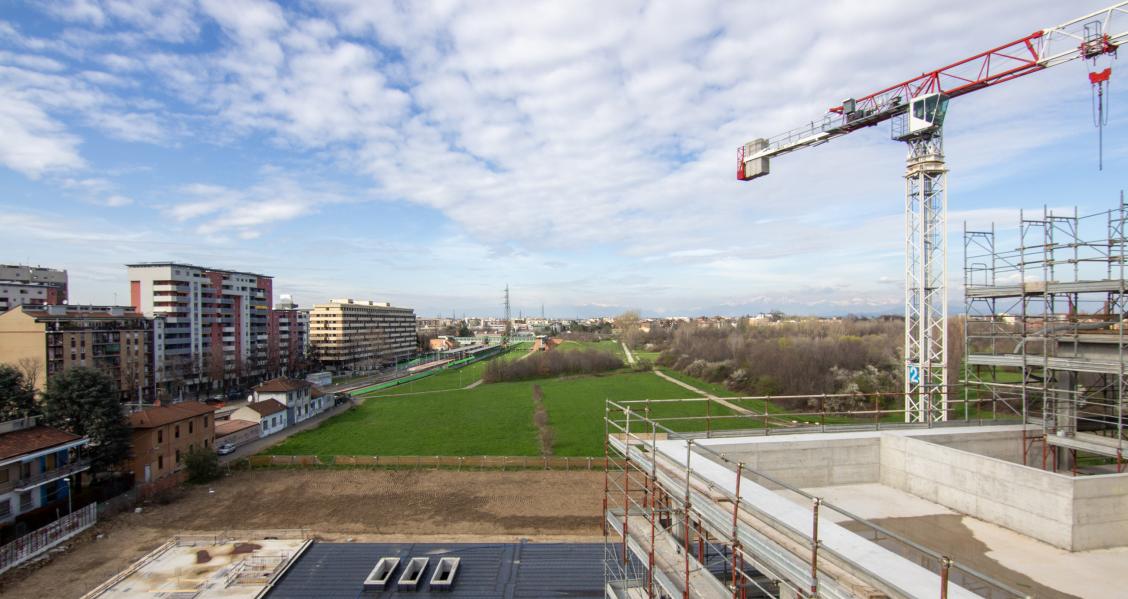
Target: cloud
pixel 32 142
pixel 217 210
pixel 544 127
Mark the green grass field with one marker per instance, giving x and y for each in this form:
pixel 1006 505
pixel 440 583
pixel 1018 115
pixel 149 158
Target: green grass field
pixel 493 419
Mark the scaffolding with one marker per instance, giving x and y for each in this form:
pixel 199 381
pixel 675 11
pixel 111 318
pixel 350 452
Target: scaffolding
pixel 683 520
pixel 1044 335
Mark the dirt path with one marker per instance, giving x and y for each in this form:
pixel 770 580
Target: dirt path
pixel 405 505
pixel 630 356
pixel 720 400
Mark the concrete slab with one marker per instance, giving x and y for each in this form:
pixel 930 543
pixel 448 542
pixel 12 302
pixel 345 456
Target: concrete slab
pixel 1013 558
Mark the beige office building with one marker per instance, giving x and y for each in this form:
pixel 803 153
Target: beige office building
pixel 347 334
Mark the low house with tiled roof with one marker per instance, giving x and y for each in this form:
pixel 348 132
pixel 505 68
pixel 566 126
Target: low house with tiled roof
pixel 269 415
pixel 236 432
pixel 163 435
pixel 295 394
pixel 37 464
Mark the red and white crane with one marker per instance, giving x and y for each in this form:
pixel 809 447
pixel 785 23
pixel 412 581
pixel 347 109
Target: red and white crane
pixel 916 109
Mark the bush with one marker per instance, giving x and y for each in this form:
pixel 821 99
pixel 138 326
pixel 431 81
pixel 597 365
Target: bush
pixel 552 363
pixel 202 466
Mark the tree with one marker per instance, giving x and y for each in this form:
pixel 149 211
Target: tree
pixel 84 401
pixel 17 395
pixel 464 330
pixel 202 465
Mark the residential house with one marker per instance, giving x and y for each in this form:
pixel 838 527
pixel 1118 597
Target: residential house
pixel 36 466
pixel 268 414
pixel 296 395
pixel 163 435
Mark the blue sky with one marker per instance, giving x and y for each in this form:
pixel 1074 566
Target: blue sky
pixel 429 153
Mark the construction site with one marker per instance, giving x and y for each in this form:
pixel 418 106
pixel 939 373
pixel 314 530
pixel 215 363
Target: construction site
pixel 1000 476
pixel 1018 488
pixel 1004 478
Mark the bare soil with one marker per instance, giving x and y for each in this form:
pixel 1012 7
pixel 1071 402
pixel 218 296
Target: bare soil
pixel 364 505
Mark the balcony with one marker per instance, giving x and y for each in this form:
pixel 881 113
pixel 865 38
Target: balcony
pixel 43 478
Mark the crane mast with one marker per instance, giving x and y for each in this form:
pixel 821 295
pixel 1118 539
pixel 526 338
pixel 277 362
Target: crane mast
pixel 916 109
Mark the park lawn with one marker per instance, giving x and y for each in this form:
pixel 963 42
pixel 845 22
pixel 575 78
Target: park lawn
pixel 495 419
pixel 651 356
pixel 446 380
pixel 488 420
pixel 576 406
pixel 607 345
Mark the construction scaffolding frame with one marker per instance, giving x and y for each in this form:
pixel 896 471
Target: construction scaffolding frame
pixel 684 526
pixel 1044 335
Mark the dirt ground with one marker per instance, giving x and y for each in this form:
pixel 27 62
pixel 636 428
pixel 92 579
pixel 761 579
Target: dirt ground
pixel 364 505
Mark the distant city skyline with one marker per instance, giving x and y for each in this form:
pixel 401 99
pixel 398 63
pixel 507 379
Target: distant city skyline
pixel 428 154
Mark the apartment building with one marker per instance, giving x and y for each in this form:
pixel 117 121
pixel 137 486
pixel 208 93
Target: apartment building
pixel 113 339
pixel 289 337
pixel 23 285
pixel 163 435
pixel 347 334
pixel 216 322
pixel 36 463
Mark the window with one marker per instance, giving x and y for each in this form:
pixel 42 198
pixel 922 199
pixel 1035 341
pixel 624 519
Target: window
pixel 189 427
pixel 4 474
pixel 160 435
pixel 205 442
pixel 25 501
pixel 160 462
pixel 176 434
pixel 205 421
pixel 5 508
pixel 265 424
pixel 177 456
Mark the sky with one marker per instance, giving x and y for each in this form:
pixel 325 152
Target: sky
pixel 583 153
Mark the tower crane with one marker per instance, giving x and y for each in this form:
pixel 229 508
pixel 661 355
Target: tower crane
pixel 916 110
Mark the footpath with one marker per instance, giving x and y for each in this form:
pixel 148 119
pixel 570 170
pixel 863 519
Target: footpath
pixel 724 402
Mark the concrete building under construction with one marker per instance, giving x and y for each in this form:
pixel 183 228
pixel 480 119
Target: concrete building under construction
pixel 1020 491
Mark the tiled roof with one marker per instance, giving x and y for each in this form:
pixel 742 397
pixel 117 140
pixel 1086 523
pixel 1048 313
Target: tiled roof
pixel 268 407
pixel 228 427
pixel 282 384
pixel 162 415
pixel 32 439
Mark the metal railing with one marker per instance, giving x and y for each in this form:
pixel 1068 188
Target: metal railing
pixel 39 541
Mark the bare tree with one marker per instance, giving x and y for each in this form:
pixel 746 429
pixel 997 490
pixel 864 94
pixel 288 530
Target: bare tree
pixel 32 369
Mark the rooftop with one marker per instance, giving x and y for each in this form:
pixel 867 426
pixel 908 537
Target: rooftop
pixel 162 415
pixel 268 407
pixel 510 570
pixel 185 265
pixel 281 385
pixel 30 440
pixel 227 427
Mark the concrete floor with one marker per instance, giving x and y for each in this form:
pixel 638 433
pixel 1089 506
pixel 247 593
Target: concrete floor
pixel 1035 567
pixel 201 567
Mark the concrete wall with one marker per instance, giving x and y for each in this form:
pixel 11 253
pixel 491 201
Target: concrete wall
pixel 809 460
pixel 1033 502
pixel 977 472
pixel 1100 511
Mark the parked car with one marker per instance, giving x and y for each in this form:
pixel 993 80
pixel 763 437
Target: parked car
pixel 225 449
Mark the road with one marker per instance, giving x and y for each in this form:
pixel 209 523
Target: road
pixel 258 445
